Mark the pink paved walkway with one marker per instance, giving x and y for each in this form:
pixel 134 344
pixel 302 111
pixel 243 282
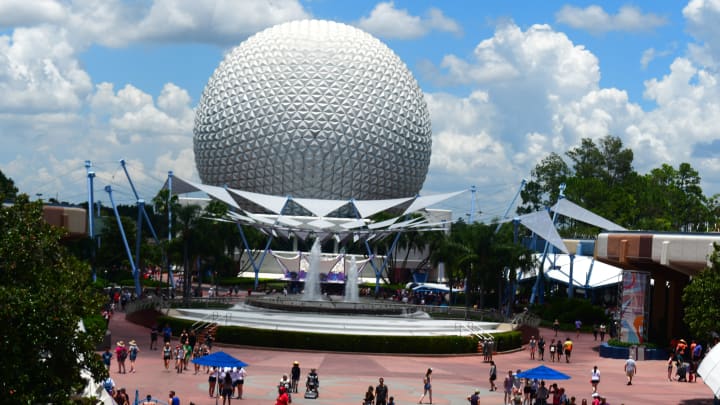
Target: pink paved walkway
pixel 345 377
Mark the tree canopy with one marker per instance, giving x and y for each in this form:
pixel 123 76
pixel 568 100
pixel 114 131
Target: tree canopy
pixel 702 310
pixel 44 293
pixel 600 177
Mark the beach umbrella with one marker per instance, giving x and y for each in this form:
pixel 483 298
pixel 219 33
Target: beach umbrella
pixel 219 359
pixel 709 370
pixel 543 373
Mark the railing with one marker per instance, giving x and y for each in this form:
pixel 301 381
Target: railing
pixel 481 333
pixel 209 320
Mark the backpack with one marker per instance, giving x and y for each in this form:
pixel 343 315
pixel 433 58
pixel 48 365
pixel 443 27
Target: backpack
pixel 123 354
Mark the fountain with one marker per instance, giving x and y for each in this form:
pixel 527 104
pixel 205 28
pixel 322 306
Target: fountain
pixel 351 283
pixel 311 291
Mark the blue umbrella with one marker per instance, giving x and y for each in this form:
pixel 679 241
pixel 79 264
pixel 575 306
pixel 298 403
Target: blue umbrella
pixel 543 373
pixel 219 359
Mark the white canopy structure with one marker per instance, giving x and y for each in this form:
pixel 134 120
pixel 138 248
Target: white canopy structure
pixel 319 223
pixel 587 272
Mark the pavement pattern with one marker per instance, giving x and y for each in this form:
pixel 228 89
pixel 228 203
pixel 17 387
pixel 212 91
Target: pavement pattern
pixel 344 377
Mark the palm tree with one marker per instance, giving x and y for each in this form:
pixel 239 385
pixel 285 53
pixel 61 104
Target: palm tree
pixel 187 216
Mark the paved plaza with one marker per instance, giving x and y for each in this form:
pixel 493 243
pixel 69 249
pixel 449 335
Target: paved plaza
pixel 345 377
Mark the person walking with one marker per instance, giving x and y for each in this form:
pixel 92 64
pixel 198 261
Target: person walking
pixel 107 358
pixel 427 386
pixel 578 325
pixel 594 378
pixel 552 350
pixel 167 333
pixel 508 387
pixel 121 354
pixel 602 332
pixel 559 350
pixel 369 396
pixel 283 398
pixel 240 381
pixel 173 399
pixel 541 348
pixel 493 376
pixel 474 399
pixel 381 392
pixel 212 382
pixel 630 369
pixel 532 345
pixel 567 347
pixel 556 326
pixel 167 355
pixel 133 351
pixel 153 337
pixel 670 362
pixel 226 388
pixel 294 376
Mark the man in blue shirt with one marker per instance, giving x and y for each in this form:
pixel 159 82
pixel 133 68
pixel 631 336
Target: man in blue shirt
pixel 173 399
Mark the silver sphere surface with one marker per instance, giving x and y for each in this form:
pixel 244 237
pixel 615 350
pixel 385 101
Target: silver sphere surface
pixel 313 109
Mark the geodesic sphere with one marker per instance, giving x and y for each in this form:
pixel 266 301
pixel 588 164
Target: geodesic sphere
pixel 313 109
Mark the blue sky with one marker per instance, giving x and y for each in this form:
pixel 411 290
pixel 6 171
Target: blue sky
pixel 507 83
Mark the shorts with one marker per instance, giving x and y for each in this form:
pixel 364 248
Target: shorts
pixel 227 392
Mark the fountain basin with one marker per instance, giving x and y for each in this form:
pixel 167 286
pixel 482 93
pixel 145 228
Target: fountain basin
pixel 335 305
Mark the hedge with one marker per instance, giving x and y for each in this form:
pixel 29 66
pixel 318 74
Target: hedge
pixel 348 343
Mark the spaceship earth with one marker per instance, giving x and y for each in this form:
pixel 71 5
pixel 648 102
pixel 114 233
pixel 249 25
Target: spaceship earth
pixel 313 109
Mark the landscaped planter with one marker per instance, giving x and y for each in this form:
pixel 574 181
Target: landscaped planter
pixel 639 352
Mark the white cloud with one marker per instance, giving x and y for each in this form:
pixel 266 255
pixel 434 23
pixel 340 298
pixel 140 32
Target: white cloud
pixel 702 18
pixel 386 21
pixel 39 72
pixel 18 13
pixel 535 92
pixel 220 21
pixel 596 20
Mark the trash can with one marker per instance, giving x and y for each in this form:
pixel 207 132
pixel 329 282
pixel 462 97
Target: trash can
pixel 640 353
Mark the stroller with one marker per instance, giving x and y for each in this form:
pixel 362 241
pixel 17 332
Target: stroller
pixel 311 385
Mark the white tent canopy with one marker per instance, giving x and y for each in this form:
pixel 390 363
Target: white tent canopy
pixel 572 210
pixel 360 227
pixel 709 370
pixel 557 268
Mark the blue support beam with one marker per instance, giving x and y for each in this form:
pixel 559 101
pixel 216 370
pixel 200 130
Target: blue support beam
pixel 135 273
pixel 91 216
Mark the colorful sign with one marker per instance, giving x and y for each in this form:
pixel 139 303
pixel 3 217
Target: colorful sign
pixel 634 306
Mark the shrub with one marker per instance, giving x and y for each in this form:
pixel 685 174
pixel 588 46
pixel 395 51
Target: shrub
pixel 348 343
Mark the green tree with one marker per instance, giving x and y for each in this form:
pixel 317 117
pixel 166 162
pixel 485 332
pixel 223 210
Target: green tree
pixel 44 293
pixel 702 308
pixel 7 188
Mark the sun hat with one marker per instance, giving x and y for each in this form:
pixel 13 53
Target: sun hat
pixel 133 342
pixel 295 362
pixel 120 343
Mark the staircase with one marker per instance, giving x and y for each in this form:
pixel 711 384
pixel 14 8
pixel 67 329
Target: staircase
pixel 204 327
pixel 202 332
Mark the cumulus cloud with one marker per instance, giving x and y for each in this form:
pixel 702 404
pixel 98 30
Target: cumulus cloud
pixel 220 21
pixel 18 13
pixel 535 92
pixel 386 21
pixel 39 72
pixel 702 23
pixel 596 20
